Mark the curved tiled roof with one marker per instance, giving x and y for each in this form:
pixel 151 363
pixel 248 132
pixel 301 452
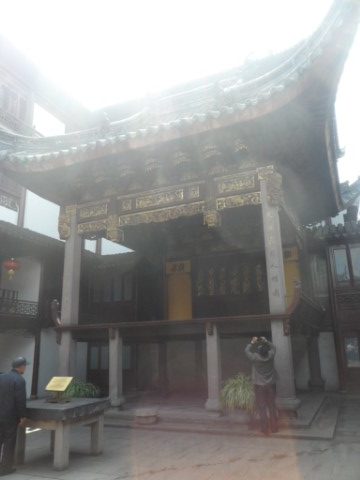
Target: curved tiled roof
pixel 227 100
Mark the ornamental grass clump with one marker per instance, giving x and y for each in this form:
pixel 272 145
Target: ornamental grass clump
pixel 80 389
pixel 238 392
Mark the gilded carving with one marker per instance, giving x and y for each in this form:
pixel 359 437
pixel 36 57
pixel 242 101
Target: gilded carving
pixel 162 215
pixel 184 168
pixel 180 158
pixel 273 184
pixel 222 281
pixel 234 280
pixel 64 226
pixel 236 183
pixel 265 172
pixel 93 211
pixel 239 146
pixel 200 288
pixel 64 223
pixel 246 281
pixel 92 228
pixel 151 165
pixel 211 281
pixel 126 205
pixel 212 218
pixel 194 191
pixel 158 199
pixel 210 150
pixel 9 202
pixel 112 228
pixel 238 200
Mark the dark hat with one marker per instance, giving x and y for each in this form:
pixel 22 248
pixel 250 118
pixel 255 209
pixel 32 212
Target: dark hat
pixel 19 362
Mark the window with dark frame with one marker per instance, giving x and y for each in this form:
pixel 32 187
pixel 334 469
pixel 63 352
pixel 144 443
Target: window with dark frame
pixel 112 287
pixel 346 265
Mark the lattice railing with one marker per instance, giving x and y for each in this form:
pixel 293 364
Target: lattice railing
pixel 18 307
pixel 348 300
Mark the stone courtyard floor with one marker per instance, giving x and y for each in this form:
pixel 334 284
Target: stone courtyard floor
pixel 161 455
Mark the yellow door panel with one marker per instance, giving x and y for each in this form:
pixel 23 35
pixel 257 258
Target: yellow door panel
pixel 179 291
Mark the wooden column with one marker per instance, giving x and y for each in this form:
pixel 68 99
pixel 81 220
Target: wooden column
pixel 70 298
pixel 270 190
pixel 115 368
pixel 213 367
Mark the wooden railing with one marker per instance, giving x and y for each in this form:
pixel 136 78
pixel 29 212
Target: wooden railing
pixel 303 310
pixel 11 305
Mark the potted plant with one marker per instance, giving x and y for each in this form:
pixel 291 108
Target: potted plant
pixel 238 394
pixel 80 389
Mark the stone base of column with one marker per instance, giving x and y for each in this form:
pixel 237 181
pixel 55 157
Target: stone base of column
pixel 213 405
pixel 290 404
pixel 117 402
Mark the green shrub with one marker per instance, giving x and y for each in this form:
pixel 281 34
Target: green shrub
pixel 238 392
pixel 80 389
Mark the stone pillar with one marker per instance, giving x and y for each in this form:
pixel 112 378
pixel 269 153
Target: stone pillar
pixel 213 367
pixel 316 382
pixel 70 298
pixel 163 377
pixel 270 191
pixel 115 368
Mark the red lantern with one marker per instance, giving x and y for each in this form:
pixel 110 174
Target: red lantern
pixel 11 266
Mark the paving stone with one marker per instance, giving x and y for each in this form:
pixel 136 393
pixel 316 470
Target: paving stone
pixel 165 455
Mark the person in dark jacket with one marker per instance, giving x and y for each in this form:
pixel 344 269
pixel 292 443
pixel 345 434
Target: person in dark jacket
pixel 12 412
pixel 261 353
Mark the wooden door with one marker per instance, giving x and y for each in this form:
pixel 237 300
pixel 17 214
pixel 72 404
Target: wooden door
pixel 179 291
pixel 98 366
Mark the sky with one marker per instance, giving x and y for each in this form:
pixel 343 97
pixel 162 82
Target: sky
pixel 103 52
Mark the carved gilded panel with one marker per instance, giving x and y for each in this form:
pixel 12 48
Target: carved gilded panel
pixel 64 223
pixel 238 200
pixel 112 229
pixel 90 228
pixel 93 211
pixel 159 199
pixel 236 183
pixel 212 218
pixel 274 184
pixel 162 215
pixel 194 192
pixel 126 205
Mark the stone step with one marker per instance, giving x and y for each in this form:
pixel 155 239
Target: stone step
pixel 317 420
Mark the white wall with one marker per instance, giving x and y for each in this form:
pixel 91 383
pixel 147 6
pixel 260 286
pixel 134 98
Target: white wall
pixel 26 280
pixel 49 357
pixel 14 345
pixel 328 361
pixel 8 215
pixel 41 215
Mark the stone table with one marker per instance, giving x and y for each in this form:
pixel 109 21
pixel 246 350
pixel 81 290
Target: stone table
pixel 58 418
